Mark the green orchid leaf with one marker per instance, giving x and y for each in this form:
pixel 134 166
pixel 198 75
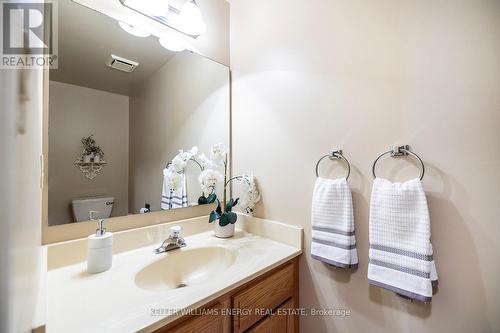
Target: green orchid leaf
pixel 211 198
pixel 202 200
pixel 224 220
pixel 213 216
pixel 232 217
pixel 229 205
pixel 218 209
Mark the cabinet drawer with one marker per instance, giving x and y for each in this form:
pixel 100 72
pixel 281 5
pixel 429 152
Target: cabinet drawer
pixel 265 294
pixel 277 323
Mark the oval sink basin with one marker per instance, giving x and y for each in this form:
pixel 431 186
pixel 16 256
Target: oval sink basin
pixel 185 267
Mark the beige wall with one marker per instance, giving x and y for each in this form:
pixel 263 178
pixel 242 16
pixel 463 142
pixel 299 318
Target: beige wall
pixel 362 75
pixel 214 43
pixel 76 112
pixel 186 103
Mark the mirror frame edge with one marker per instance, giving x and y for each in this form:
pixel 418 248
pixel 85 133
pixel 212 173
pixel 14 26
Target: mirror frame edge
pixel 74 231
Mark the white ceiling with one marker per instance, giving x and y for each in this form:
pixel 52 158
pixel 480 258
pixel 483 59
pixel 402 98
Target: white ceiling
pixel 87 38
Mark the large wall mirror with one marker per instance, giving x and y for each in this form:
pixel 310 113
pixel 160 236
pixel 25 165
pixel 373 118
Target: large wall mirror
pixel 112 130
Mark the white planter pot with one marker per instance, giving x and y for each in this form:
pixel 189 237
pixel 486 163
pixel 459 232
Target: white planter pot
pixel 225 231
pixel 87 158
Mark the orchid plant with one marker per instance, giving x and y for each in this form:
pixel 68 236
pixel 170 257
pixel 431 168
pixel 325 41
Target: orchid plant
pixel 209 178
pixel 176 167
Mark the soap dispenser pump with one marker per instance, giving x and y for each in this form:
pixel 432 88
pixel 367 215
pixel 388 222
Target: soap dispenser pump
pixel 100 248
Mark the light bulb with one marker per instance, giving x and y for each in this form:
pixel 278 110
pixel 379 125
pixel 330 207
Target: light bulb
pixel 133 30
pixel 172 43
pixel 150 7
pixel 190 20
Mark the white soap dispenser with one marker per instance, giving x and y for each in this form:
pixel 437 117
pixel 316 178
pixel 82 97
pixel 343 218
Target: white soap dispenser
pixel 100 248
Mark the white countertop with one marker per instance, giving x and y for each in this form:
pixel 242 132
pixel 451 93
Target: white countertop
pixel 112 302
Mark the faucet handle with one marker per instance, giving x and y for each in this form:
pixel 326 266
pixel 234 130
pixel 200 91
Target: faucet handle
pixel 92 215
pixel 175 230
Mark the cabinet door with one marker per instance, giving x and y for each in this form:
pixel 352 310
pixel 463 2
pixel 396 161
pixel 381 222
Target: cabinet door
pixel 280 322
pixel 215 322
pixel 265 294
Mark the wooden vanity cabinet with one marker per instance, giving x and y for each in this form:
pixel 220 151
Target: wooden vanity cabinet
pixel 264 304
pixel 283 322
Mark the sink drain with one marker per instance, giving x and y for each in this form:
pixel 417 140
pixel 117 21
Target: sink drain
pixel 182 285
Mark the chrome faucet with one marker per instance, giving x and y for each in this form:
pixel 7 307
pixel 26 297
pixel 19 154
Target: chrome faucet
pixel 174 241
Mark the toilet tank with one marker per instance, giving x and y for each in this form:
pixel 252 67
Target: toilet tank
pixel 82 207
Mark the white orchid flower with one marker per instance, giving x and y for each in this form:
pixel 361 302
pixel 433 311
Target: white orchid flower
pixel 178 163
pixel 187 155
pixel 193 151
pixel 250 195
pixel 218 153
pixel 208 180
pixel 180 160
pixel 174 179
pixel 205 162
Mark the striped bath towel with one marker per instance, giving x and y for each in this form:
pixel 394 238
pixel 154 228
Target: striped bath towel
pixel 333 239
pixel 171 199
pixel 400 254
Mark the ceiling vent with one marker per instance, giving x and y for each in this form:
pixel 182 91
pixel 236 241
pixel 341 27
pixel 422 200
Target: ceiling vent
pixel 121 64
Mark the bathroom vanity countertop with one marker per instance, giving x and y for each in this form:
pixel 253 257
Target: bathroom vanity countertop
pixel 112 301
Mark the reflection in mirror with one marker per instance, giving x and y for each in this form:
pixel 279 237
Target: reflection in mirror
pixel 120 109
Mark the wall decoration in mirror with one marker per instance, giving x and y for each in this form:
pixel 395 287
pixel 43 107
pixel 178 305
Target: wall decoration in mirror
pixel 140 118
pixel 91 160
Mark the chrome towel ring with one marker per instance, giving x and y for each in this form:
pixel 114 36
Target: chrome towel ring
pixel 397 151
pixel 335 155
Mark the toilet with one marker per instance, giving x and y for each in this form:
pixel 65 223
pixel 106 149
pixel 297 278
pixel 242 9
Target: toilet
pixel 83 206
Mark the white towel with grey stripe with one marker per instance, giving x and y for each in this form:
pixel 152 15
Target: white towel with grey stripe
pixel 400 255
pixel 171 199
pixel 333 239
